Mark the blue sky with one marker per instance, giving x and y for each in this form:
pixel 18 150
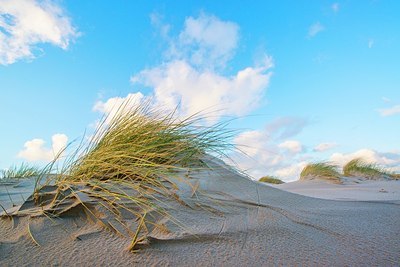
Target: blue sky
pixel 306 80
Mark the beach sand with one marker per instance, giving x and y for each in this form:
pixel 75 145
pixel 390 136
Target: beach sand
pixel 230 221
pixel 353 189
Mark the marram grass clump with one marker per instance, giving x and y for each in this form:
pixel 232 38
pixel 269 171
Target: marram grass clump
pixel 19 172
pixel 271 180
pixel 321 170
pixel 358 167
pixel 132 163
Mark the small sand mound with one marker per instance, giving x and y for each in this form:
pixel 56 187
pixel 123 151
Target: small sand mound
pixel 323 171
pixel 360 168
pixel 330 179
pixel 378 176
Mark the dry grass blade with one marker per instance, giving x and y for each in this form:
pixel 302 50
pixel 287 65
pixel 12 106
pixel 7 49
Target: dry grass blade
pixel 5 211
pixel 31 235
pixel 135 238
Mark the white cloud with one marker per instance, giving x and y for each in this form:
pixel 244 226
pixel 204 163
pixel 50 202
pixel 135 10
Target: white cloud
pixel 247 142
pixel 388 159
pixel 177 82
pixel 385 112
pixel 335 7
pixel 315 29
pixel 324 147
pixel 190 76
pixel 26 23
pixel 268 152
pixel 156 21
pixel 292 146
pixel 35 150
pixel 292 172
pixel 204 42
pixel 118 104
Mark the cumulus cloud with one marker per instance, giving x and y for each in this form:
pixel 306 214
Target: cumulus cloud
pixel 261 156
pixel 387 159
pixel 385 112
pixel 292 146
pixel 268 150
pixel 315 29
pixel 178 82
pixel 35 150
pixel 324 147
pixel 206 41
pixel 247 142
pixel 191 74
pixel 156 21
pixel 26 23
pixel 272 151
pixel 292 171
pixel 118 104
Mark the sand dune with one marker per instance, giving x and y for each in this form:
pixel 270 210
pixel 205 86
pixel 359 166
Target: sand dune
pixel 229 221
pixel 352 189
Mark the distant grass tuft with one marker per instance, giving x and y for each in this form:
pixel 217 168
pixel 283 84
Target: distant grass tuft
pixel 19 172
pixel 358 167
pixel 321 170
pixel 271 180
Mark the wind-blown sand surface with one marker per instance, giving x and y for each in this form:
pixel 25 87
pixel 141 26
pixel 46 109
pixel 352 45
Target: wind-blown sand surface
pixel 361 190
pixel 239 223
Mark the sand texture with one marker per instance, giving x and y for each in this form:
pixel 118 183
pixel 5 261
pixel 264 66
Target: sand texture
pixel 352 189
pixel 229 221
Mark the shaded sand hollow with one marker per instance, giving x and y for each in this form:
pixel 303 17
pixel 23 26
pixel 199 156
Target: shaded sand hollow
pixel 229 221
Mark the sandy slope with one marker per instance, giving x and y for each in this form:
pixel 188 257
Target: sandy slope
pixel 241 223
pixel 363 190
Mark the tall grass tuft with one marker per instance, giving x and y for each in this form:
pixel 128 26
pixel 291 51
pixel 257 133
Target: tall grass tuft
pixel 19 172
pixel 134 160
pixel 358 167
pixel 271 180
pixel 321 170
